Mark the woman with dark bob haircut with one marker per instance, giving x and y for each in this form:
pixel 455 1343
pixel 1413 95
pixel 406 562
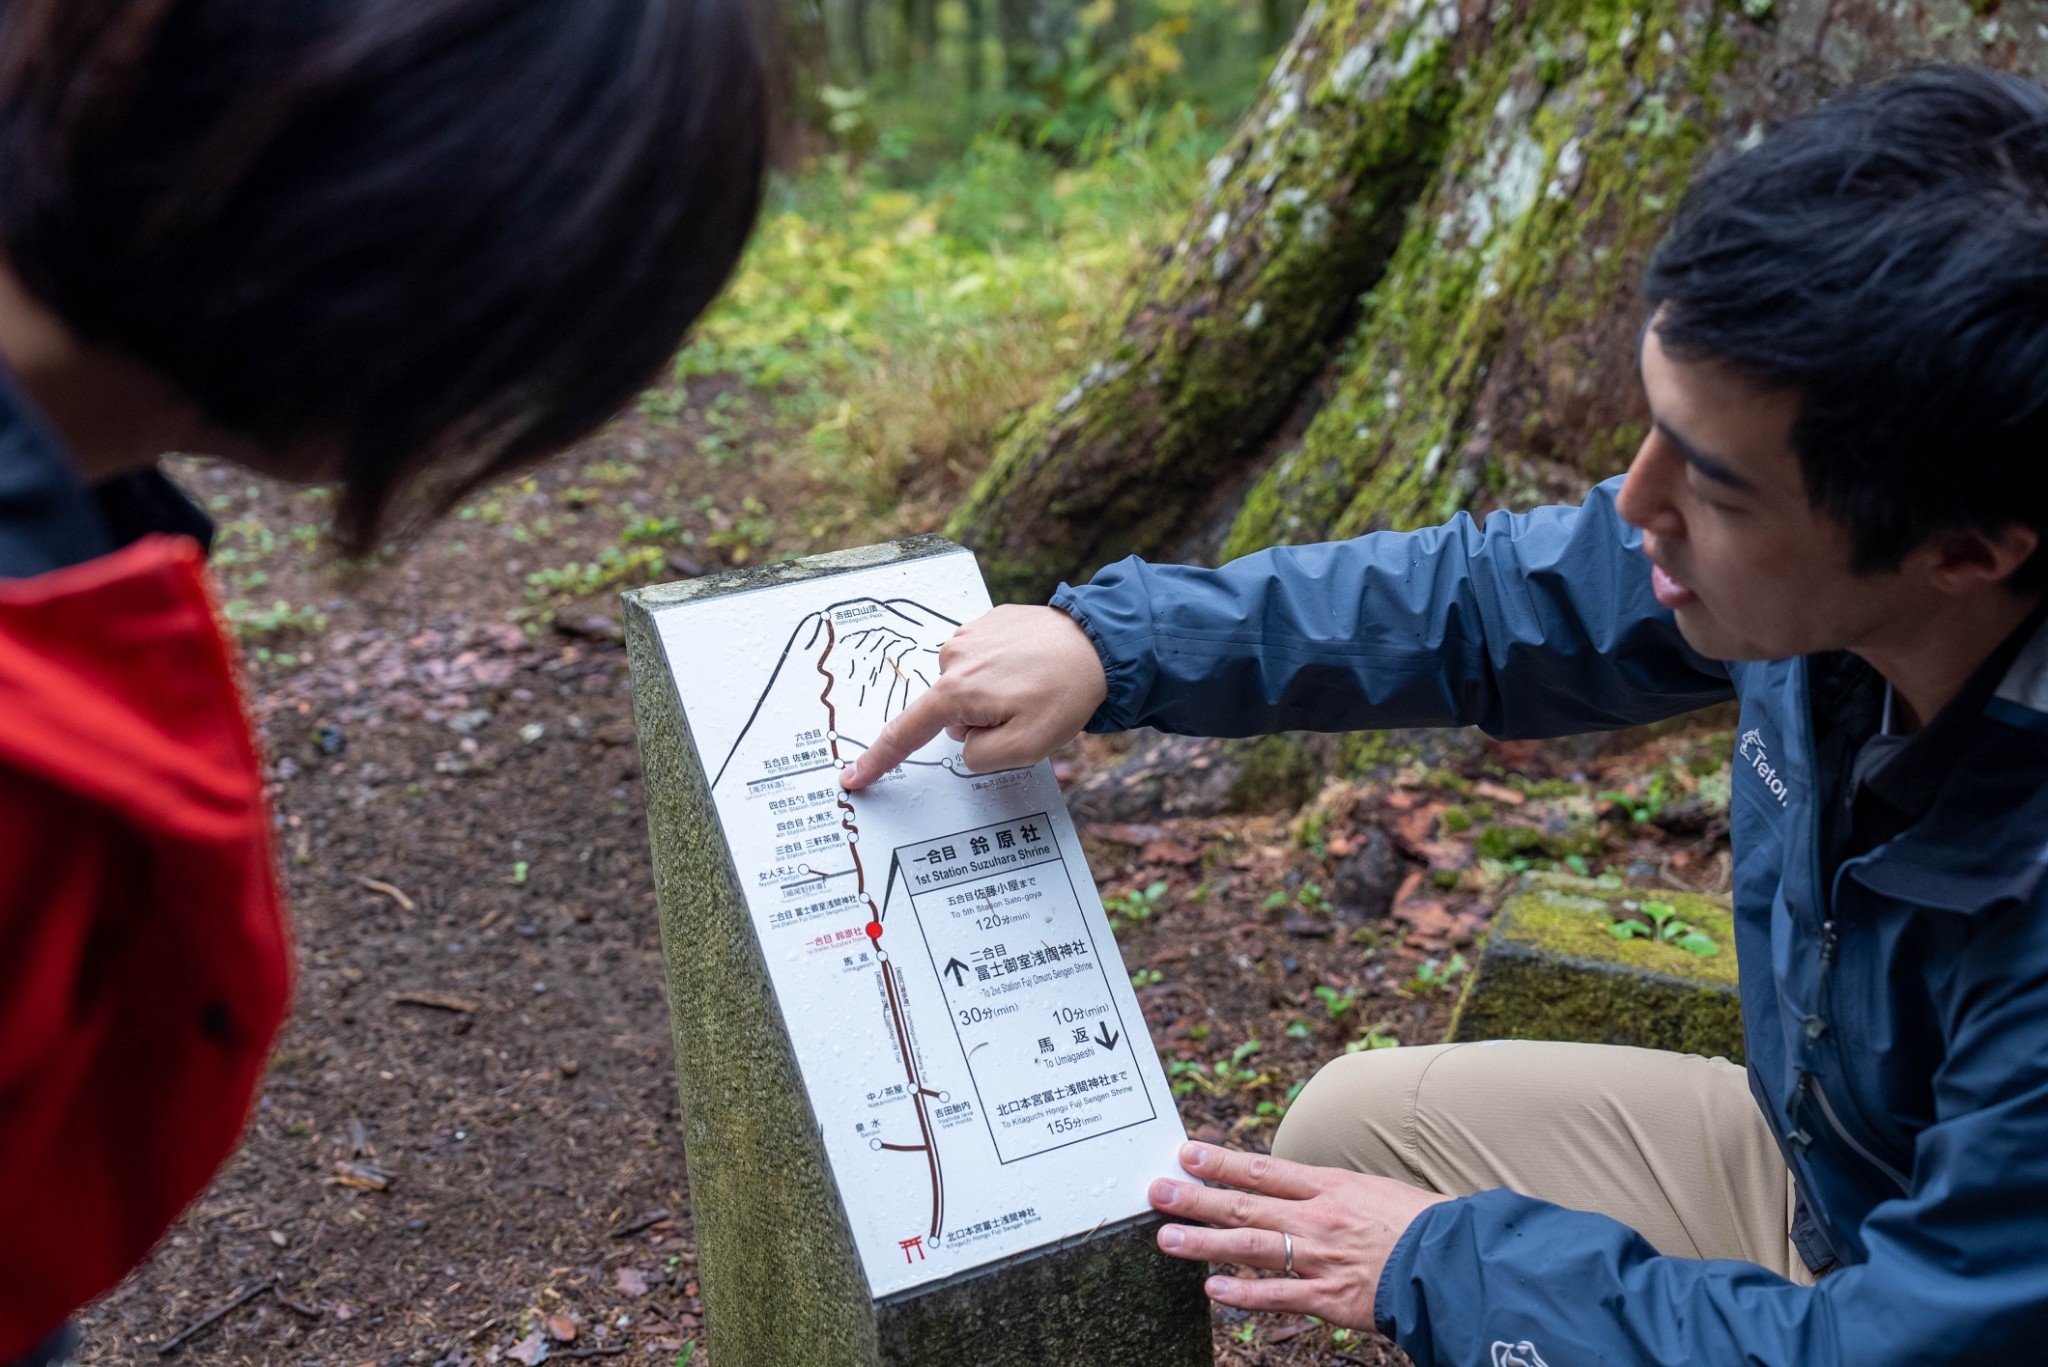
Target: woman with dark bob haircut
pixel 400 245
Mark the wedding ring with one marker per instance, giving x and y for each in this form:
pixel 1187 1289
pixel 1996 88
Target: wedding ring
pixel 1288 1267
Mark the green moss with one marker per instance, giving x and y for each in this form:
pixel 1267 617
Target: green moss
pixel 1570 917
pixel 1580 131
pixel 1364 754
pixel 1553 970
pixel 1279 774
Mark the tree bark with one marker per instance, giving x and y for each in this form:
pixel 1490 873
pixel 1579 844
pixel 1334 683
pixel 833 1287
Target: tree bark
pixel 1493 360
pixel 1302 210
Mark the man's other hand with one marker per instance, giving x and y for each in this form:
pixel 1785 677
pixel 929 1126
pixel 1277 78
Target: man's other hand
pixel 1343 1227
pixel 1014 686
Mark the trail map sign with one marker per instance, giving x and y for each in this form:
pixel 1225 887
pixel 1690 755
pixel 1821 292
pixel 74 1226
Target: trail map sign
pixel 921 1104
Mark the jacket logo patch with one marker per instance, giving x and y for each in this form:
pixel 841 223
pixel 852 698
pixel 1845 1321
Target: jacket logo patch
pixel 1521 1354
pixel 1750 750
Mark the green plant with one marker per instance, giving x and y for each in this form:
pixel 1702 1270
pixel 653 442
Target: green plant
pixel 253 623
pixel 1186 1076
pixel 1138 904
pixel 1336 1003
pixel 881 324
pixel 1377 1036
pixel 1432 974
pixel 658 531
pixel 1147 977
pixel 1309 897
pixel 614 567
pixel 1648 804
pixel 1235 1070
pixel 1663 924
pixel 744 536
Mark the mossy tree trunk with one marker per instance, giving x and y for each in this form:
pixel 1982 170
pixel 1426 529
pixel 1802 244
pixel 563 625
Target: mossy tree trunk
pixel 1498 201
pixel 1223 327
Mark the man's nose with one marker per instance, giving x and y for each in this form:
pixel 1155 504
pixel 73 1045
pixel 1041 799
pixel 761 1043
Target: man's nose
pixel 1642 501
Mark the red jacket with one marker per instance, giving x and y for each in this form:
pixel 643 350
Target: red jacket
pixel 144 964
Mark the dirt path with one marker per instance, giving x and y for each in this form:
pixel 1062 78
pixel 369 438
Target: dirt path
pixel 468 1143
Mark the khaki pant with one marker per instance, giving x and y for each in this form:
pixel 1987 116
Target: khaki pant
pixel 1671 1145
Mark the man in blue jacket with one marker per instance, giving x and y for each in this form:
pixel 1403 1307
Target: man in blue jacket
pixel 1836 518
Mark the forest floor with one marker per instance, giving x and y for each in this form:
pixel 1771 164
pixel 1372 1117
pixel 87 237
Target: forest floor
pixel 467 1147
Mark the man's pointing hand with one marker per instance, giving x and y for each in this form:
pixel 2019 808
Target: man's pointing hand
pixel 1014 686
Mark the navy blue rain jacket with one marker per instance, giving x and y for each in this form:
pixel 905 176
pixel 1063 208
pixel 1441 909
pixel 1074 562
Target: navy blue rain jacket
pixel 1896 1022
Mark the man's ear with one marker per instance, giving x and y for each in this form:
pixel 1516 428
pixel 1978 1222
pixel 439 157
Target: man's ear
pixel 1970 561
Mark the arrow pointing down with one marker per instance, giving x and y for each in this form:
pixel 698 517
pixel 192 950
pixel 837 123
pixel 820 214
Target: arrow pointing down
pixel 1105 1036
pixel 958 970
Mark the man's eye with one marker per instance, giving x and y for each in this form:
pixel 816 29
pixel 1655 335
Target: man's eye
pixel 1712 500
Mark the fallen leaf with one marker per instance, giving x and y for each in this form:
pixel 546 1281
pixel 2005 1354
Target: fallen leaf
pixel 1128 835
pixel 344 1311
pixel 632 1281
pixel 1305 927
pixel 361 1176
pixel 531 1350
pixel 1170 852
pixel 439 1001
pixel 1432 923
pixel 384 889
pixel 562 1328
pixel 1494 792
pixel 1289 1331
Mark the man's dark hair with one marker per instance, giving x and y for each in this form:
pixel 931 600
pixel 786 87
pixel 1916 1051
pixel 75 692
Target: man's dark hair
pixel 1886 257
pixel 449 236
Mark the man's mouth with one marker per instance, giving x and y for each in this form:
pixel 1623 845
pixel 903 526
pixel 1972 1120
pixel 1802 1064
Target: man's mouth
pixel 1670 593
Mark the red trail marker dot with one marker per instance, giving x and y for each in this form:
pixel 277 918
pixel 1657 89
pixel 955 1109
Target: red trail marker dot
pixel 875 930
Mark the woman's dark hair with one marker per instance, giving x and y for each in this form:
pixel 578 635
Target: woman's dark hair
pixel 1886 257
pixel 451 236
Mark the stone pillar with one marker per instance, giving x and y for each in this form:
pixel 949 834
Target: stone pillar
pixel 857 1046
pixel 1594 962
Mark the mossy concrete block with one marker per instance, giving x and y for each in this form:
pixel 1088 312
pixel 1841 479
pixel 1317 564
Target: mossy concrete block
pixel 1552 969
pixel 781 1279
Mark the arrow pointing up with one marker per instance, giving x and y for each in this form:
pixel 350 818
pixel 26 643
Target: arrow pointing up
pixel 958 970
pixel 1105 1036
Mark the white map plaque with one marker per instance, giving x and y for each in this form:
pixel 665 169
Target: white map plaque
pixel 983 1081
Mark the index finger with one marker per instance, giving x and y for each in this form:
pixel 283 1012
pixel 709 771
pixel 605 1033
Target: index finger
pixel 903 737
pixel 1260 1172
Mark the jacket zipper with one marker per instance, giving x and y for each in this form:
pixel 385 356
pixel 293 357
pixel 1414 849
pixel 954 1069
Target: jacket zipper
pixel 1827 1111
pixel 1830 948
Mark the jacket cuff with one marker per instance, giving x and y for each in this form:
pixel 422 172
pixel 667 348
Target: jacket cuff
pixel 1124 671
pixel 1395 1303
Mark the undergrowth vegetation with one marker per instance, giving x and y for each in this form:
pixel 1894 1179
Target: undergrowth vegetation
pixel 893 324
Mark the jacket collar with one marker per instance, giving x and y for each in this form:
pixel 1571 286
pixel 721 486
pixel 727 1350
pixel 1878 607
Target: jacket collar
pixel 1984 841
pixel 49 520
